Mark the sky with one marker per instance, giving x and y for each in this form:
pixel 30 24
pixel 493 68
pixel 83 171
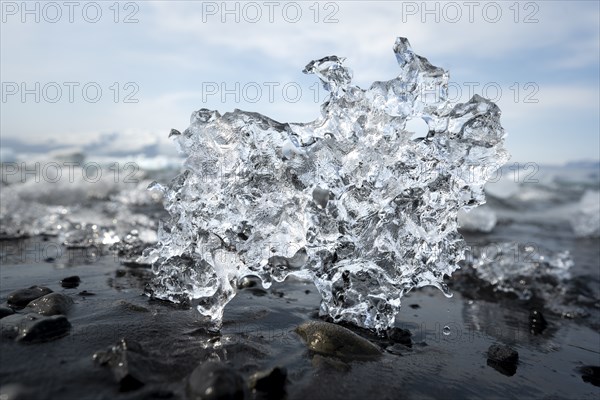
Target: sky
pixel 120 75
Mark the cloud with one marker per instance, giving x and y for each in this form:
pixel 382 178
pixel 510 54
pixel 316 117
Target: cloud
pixel 172 51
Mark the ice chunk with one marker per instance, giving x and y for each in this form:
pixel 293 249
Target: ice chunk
pixel 586 221
pixel 479 219
pixel 520 268
pixel 349 200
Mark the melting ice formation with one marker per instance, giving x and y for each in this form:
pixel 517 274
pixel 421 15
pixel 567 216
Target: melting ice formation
pixel 522 269
pixel 351 200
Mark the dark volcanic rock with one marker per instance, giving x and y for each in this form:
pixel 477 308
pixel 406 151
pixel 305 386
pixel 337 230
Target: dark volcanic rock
pixel 253 285
pixel 504 354
pixel 271 383
pixel 537 322
pixel 248 282
pixel 333 340
pixel 51 304
pixel 399 335
pixel 5 311
pixel 127 306
pixel 214 380
pixel 22 297
pixel 9 326
pixel 590 374
pixel 34 328
pixel 70 282
pixel 503 359
pixel 128 362
pixel 397 349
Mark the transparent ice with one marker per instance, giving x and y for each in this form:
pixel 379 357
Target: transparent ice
pixel 351 201
pixel 479 219
pixel 586 221
pixel 524 269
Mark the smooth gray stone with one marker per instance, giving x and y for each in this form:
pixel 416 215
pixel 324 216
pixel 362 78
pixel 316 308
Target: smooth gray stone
pixel 22 297
pixel 43 329
pixel 213 380
pixel 333 340
pixel 129 363
pixel 51 304
pixel 5 312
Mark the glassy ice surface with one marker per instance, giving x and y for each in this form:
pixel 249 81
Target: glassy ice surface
pixel 521 268
pixel 586 221
pixel 351 200
pixel 479 219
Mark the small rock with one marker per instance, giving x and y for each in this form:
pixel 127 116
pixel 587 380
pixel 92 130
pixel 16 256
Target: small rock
pixel 128 362
pixel 51 304
pixel 214 380
pixel 5 311
pixel 333 340
pixel 34 328
pixel 504 359
pixel 505 354
pixel 537 322
pixel 131 307
pixel 414 306
pixel 70 282
pixel 86 293
pixel 590 374
pixel 271 382
pixel 253 285
pixel 399 335
pixel 396 349
pixel 247 282
pixel 9 326
pixel 22 297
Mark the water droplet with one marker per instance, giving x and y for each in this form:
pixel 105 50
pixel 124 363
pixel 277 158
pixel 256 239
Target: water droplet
pixel 446 330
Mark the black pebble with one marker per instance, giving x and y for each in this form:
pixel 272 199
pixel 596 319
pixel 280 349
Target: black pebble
pixel 503 359
pixel 398 335
pixel 248 282
pixel 22 297
pixel 271 382
pixel 129 363
pixel 590 374
pixel 86 293
pixel 35 328
pixel 215 380
pixel 70 282
pixel 414 306
pixel 51 304
pixel 5 312
pixel 537 322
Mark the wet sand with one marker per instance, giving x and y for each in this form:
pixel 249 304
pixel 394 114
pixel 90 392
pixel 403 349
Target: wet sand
pixel 446 357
